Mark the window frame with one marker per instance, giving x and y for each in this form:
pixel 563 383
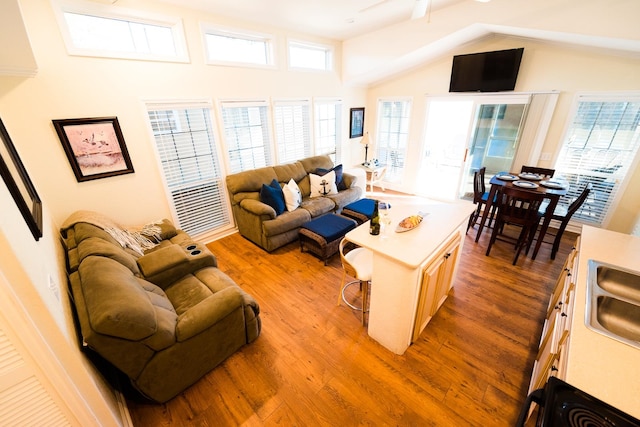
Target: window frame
pixel 62 7
pixel 241 34
pixel 328 50
pixel 269 148
pixel 620 185
pixel 282 141
pixel 219 180
pixel 336 153
pixel 397 178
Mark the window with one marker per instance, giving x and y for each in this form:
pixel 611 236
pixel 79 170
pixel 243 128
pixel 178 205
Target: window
pixel 185 144
pixel 292 130
pixel 246 133
pixel 310 56
pixel 392 136
pixel 328 128
pixel 235 47
pixel 119 33
pixel 599 147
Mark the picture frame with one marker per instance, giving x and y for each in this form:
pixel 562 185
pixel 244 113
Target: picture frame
pixel 19 184
pixel 356 122
pixel 95 147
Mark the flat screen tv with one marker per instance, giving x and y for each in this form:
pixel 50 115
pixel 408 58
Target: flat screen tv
pixel 486 72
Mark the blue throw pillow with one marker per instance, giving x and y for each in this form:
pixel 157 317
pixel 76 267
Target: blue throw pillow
pixel 273 196
pixel 338 170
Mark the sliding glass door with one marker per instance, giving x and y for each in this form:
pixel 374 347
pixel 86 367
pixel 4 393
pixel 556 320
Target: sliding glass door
pixel 464 134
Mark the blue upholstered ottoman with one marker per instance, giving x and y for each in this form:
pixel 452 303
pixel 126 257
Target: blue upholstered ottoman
pixel 360 210
pixel 322 236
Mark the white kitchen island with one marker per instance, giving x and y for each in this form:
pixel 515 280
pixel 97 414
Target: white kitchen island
pixel 412 271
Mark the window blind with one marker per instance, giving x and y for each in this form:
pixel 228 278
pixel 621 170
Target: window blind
pixel 328 128
pixel 599 147
pixel 293 130
pixel 392 136
pixel 246 132
pixel 186 148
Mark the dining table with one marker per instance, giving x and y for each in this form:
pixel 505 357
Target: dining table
pixel 552 189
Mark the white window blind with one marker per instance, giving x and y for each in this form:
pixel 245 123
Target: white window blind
pixel 185 143
pixel 293 130
pixel 599 147
pixel 328 128
pixel 246 133
pixel 392 136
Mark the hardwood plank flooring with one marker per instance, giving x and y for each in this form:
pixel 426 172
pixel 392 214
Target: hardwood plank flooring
pixel 315 365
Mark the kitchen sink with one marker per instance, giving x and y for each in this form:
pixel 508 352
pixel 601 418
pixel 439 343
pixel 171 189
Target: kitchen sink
pixel 613 302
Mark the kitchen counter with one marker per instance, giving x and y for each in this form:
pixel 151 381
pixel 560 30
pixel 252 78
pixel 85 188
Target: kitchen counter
pixel 601 366
pixel 399 260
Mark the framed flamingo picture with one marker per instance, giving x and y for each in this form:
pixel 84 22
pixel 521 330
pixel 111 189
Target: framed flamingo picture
pixel 95 147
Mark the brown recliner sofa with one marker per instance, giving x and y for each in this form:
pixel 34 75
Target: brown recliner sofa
pixel 163 315
pixel 259 222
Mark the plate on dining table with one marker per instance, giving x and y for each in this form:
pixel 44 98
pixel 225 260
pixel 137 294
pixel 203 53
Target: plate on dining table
pixel 507 177
pixel 552 184
pixel 525 184
pixel 530 176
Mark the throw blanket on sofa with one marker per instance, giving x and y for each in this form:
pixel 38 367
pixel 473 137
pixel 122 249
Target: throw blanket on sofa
pixel 135 240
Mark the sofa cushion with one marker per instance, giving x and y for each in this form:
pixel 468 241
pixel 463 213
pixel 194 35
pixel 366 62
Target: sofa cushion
pixel 323 185
pixel 319 205
pixel 290 170
pixel 310 164
pixel 286 222
pixel 116 302
pixel 99 247
pixel 272 195
pixel 250 180
pixel 292 195
pixel 338 171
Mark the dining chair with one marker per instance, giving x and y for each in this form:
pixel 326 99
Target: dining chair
pixel 356 262
pixel 563 214
pixel 480 197
pixel 544 172
pixel 518 208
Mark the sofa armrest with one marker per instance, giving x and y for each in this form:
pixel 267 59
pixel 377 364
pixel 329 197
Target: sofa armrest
pixel 348 179
pixel 208 312
pixel 166 265
pixel 161 260
pixel 256 207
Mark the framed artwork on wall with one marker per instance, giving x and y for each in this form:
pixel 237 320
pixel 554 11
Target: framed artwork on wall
pixel 95 147
pixel 19 184
pixel 356 122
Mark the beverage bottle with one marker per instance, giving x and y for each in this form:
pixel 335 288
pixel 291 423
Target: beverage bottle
pixel 374 226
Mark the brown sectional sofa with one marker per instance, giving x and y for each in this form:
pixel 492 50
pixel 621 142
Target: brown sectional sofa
pixel 258 221
pixel 164 317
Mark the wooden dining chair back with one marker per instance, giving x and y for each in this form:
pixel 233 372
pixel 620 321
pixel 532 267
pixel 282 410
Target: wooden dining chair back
pixel 543 172
pixel 480 197
pixel 357 262
pixel 518 208
pixel 563 214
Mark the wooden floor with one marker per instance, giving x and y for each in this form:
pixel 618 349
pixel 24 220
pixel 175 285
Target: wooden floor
pixel 315 365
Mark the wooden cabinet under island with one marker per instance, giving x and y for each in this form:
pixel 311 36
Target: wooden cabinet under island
pixel 412 271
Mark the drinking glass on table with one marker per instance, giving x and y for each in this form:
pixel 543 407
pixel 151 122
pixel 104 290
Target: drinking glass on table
pixel 385 217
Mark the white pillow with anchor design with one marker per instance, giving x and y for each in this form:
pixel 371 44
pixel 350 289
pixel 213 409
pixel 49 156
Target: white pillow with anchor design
pixel 323 185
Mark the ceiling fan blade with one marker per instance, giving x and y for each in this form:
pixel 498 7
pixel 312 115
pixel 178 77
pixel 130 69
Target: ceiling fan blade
pixel 420 8
pixel 374 5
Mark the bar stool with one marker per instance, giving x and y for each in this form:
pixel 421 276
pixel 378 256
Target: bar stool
pixel 357 263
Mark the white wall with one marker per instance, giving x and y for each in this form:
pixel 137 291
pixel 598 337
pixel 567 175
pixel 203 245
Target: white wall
pixel 544 67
